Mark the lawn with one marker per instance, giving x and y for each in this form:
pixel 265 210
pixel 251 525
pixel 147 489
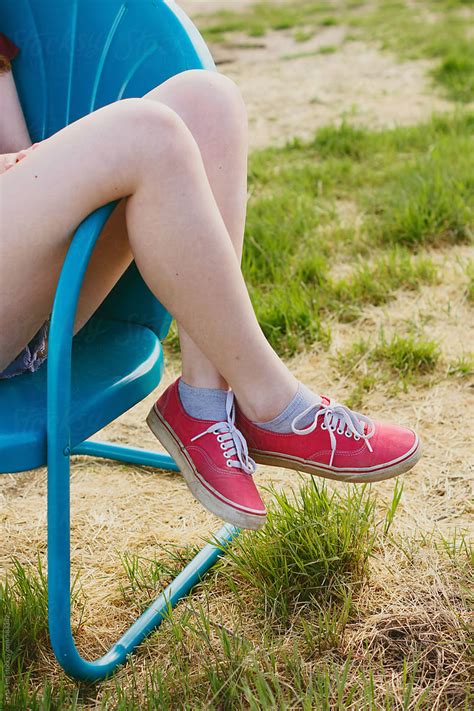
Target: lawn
pixel 360 264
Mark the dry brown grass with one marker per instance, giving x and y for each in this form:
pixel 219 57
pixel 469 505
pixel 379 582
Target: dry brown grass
pixel 414 612
pixel 416 605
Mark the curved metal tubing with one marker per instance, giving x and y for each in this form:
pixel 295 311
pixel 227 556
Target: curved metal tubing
pixel 59 451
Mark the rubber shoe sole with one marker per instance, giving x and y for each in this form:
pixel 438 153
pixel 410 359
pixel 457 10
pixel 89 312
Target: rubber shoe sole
pixel 201 490
pixel 358 476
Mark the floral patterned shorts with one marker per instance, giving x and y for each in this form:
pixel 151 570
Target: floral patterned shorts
pixel 32 355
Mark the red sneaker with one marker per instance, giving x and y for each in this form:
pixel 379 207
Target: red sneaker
pixel 212 457
pixel 339 444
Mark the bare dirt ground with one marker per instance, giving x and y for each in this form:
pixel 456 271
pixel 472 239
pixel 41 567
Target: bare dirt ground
pixel 289 95
pixel 198 7
pixel 119 508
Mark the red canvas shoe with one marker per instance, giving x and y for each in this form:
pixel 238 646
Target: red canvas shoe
pixel 339 444
pixel 212 457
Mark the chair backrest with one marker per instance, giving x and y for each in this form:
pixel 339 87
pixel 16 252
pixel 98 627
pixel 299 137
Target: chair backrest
pixel 79 55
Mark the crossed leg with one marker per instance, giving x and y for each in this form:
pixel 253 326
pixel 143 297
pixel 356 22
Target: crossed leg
pixel 175 230
pixel 212 109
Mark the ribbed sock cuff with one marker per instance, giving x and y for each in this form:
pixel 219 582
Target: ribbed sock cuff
pixel 303 398
pixel 203 403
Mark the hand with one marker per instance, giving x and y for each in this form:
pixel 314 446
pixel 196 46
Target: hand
pixel 7 160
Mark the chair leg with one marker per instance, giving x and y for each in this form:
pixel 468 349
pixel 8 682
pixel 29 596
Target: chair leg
pixel 59 567
pixel 123 453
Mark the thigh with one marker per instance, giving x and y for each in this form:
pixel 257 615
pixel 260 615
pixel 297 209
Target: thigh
pixel 43 198
pixel 112 255
pixel 211 106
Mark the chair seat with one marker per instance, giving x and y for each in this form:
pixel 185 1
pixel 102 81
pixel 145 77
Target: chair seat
pixel 114 366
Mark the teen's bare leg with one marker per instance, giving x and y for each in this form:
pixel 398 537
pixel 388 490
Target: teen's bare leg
pixel 211 106
pixel 178 237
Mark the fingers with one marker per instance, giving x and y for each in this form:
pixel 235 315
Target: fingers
pixel 10 159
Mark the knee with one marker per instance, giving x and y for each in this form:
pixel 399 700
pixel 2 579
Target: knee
pixel 215 99
pixel 154 131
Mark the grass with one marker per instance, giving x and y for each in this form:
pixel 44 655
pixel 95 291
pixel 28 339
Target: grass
pixel 313 550
pixel 411 194
pixel 469 290
pixel 394 362
pixel 462 367
pixel 264 16
pixel 146 577
pixel 407 356
pixel 332 605
pixel 433 29
pixel 438 30
pixel 325 49
pixel 51 697
pixel 24 640
pixel 456 72
pixel 427 202
pixel 406 190
pixel 23 615
pixel 376 282
pixel 287 619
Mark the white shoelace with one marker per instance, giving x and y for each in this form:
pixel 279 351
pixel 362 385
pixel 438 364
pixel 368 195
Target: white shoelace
pixel 231 439
pixel 337 415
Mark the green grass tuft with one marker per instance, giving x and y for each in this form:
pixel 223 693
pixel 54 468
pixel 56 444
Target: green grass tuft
pixel 264 16
pixel 312 551
pixel 406 355
pixel 430 201
pixel 24 636
pixel 462 367
pixel 377 282
pixel 147 577
pixel 469 289
pixel 456 72
pixel 288 315
pixel 328 49
pixel 23 614
pixel 342 141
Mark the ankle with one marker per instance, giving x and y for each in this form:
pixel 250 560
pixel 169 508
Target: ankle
pixel 204 379
pixel 267 404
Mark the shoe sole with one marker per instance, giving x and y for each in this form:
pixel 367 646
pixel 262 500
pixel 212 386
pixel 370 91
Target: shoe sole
pixel 355 476
pixel 196 485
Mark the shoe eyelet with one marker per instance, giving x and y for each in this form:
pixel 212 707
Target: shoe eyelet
pixel 226 454
pixel 332 428
pixel 348 433
pixel 229 463
pixel 323 426
pixel 340 431
pixel 222 446
pixel 356 437
pixel 219 438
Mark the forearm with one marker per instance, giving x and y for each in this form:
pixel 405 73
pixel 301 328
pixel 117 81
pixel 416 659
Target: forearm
pixel 13 129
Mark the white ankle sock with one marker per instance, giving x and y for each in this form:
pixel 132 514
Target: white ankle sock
pixel 203 403
pixel 303 398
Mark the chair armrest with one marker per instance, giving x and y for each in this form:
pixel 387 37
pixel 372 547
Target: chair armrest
pixel 62 322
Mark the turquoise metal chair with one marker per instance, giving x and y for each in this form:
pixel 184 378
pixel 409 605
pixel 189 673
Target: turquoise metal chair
pixel 76 56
